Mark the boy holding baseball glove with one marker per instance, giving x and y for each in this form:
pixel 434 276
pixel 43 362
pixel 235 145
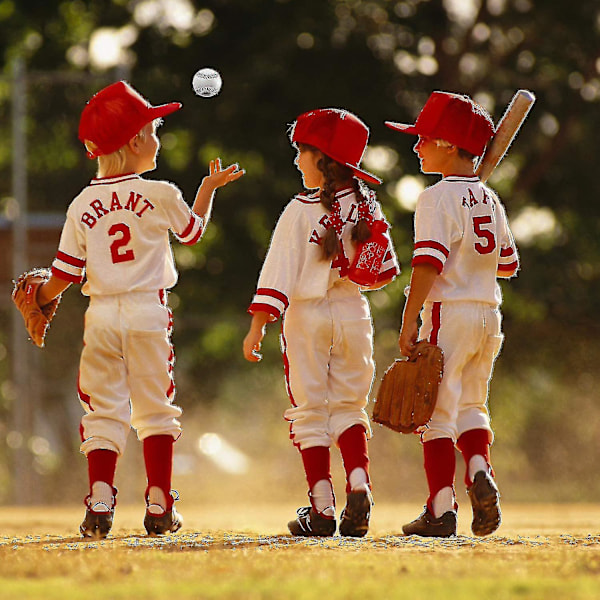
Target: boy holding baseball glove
pixel 462 244
pixel 116 234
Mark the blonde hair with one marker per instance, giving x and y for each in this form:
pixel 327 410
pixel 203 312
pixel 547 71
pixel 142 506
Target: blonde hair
pixel 112 164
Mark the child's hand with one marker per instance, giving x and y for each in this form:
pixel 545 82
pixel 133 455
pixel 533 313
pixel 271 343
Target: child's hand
pixel 258 329
pixel 408 338
pixel 252 345
pixel 218 177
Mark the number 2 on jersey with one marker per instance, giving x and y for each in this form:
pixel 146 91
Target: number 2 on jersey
pixel 479 224
pixel 118 250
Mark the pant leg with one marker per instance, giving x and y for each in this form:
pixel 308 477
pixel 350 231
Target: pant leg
pixel 307 337
pixel 102 385
pixel 150 358
pixel 351 366
pixel 457 328
pixel 473 410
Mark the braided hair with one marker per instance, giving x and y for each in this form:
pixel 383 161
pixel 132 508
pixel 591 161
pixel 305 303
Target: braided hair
pixel 336 175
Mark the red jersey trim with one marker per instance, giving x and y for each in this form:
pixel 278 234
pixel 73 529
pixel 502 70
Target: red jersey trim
pixel 70 260
pixel 195 239
pixel 504 252
pixel 433 246
pixel 274 294
pixel 66 276
pixel 189 227
pixel 508 267
pixel 428 260
pixel 436 322
pixel 114 179
pixel 262 307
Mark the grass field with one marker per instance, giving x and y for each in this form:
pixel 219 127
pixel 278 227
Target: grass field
pixel 540 551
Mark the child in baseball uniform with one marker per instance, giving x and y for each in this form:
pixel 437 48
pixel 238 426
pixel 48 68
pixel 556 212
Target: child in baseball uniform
pixel 463 243
pixel 327 334
pixel 116 242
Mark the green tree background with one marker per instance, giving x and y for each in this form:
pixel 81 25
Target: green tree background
pixel 380 59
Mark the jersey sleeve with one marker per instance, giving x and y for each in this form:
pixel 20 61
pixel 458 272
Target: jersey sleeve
pixel 69 263
pixel 185 224
pixel 434 232
pixel 508 260
pixel 281 266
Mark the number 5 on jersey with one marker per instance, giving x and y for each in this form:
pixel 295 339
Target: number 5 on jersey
pixel 479 224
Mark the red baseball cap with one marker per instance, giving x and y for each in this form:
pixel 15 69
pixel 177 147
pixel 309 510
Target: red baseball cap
pixel 337 133
pixel 454 118
pixel 116 114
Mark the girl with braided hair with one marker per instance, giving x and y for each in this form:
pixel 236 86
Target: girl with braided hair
pixel 327 335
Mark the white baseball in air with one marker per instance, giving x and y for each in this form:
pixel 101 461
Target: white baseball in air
pixel 207 82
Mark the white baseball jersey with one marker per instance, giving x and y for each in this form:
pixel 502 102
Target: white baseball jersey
pixel 327 334
pixel 294 268
pixel 461 228
pixel 117 235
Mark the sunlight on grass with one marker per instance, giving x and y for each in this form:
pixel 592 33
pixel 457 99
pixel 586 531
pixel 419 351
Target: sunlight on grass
pixel 557 560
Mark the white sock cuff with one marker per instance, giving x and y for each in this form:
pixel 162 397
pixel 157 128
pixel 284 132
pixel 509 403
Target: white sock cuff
pixel 358 479
pixel 443 501
pixel 477 463
pixel 321 495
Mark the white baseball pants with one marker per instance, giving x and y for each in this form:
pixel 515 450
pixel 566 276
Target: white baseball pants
pixel 126 371
pixel 328 355
pixel 469 333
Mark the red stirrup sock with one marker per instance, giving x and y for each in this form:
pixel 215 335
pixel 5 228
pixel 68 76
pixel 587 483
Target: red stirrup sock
pixel 102 465
pixel 353 448
pixel 317 464
pixel 440 466
pixel 158 458
pixel 473 443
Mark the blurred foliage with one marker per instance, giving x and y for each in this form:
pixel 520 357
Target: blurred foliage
pixel 380 59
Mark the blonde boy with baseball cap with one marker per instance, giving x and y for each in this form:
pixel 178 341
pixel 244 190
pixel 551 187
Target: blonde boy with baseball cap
pixel 116 242
pixel 462 244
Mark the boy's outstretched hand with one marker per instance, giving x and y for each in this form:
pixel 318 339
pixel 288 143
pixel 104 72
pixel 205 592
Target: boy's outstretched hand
pixel 218 177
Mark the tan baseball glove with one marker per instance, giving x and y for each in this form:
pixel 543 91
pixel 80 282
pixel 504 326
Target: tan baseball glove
pixel 409 389
pixel 37 318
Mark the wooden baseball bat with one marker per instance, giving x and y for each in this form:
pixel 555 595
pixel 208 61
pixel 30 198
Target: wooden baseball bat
pixel 506 131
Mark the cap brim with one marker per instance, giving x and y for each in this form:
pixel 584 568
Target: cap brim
pixel 402 127
pixel 165 109
pixel 364 175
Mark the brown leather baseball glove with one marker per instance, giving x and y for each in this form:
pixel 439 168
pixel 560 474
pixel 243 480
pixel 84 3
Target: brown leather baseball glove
pixel 37 318
pixel 409 389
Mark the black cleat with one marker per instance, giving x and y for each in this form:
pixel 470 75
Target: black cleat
pixel 312 523
pixel 427 525
pixel 354 520
pixel 97 524
pixel 485 500
pixel 167 522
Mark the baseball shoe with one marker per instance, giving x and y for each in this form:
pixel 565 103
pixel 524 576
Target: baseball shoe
pixel 312 523
pixel 354 520
pixel 97 523
pixel 427 525
pixel 485 500
pixel 168 522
